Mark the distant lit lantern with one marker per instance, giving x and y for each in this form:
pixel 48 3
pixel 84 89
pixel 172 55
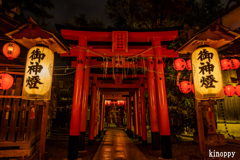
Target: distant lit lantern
pixel 11 50
pixel 185 87
pixel 237 90
pixel 234 64
pixel 38 74
pixel 189 65
pixel 229 90
pixel 107 102
pixel 6 81
pixel 192 88
pixel 225 64
pixel 179 64
pixel 207 74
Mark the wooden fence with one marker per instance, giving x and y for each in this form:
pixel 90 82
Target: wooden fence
pixel 19 128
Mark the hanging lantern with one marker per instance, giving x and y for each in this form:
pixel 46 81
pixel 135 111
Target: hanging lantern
pixel 107 102
pixel 38 74
pixel 6 81
pixel 234 64
pixel 189 65
pixel 179 64
pixel 225 64
pixel 237 90
pixel 207 74
pixel 11 50
pixel 229 90
pixel 185 87
pixel 192 88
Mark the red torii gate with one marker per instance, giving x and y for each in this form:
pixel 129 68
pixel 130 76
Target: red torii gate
pixel 120 39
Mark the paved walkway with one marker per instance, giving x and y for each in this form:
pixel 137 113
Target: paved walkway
pixel 116 145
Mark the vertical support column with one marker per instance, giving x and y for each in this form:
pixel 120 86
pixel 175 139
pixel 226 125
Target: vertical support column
pixel 162 100
pixel 144 123
pixel 102 116
pixel 77 101
pixel 104 110
pixel 98 114
pixel 139 109
pixel 92 111
pixel 83 117
pixel 45 106
pixel 135 114
pixel 131 117
pixel 153 105
pixel 128 116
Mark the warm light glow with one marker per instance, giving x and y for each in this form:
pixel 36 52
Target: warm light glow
pixel 38 74
pixel 237 90
pixel 234 64
pixel 207 74
pixel 11 50
pixel 225 64
pixel 6 81
pixel 179 64
pixel 229 90
pixel 189 65
pixel 185 87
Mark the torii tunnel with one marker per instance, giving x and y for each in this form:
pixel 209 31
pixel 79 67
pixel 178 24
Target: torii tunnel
pixel 115 52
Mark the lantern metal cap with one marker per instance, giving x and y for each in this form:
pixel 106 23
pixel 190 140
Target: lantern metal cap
pixel 204 45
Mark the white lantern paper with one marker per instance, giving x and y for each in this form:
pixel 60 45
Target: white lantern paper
pixel 38 74
pixel 207 74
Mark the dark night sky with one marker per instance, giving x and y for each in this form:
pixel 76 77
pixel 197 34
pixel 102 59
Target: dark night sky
pixel 65 10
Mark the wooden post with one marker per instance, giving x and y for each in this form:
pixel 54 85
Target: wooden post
pixel 45 106
pixel 200 129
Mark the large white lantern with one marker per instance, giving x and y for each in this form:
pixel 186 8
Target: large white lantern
pixel 207 74
pixel 38 74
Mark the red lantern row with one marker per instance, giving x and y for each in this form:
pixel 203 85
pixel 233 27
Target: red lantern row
pixel 179 64
pixel 229 64
pixel 186 87
pixel 230 90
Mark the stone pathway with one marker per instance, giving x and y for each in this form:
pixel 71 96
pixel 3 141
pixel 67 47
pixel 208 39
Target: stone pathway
pixel 116 145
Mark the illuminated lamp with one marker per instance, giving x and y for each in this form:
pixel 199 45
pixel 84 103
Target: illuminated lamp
pixel 38 74
pixel 179 64
pixel 6 81
pixel 229 90
pixel 185 86
pixel 234 64
pixel 237 90
pixel 192 88
pixel 189 65
pixel 11 50
pixel 225 64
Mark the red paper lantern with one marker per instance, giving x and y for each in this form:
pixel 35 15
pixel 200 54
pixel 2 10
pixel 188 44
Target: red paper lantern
pixel 234 64
pixel 229 90
pixel 6 81
pixel 192 88
pixel 237 90
pixel 179 64
pixel 189 65
pixel 225 64
pixel 185 87
pixel 11 50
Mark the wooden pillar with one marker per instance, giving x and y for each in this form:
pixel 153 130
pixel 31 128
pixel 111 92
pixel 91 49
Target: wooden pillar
pixel 139 109
pixel 143 107
pixel 43 133
pixel 131 116
pixel 153 105
pixel 102 116
pixel 83 117
pixel 162 100
pixel 97 113
pixel 77 101
pixel 92 111
pixel 128 114
pixel 135 114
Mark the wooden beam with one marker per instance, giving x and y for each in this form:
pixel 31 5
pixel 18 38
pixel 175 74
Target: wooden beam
pixel 99 85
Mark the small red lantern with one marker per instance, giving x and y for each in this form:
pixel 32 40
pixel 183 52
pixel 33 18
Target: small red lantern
pixel 189 65
pixel 6 81
pixel 179 64
pixel 225 64
pixel 185 87
pixel 234 64
pixel 11 50
pixel 237 90
pixel 229 90
pixel 192 88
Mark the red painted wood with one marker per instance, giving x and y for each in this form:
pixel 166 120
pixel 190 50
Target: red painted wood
pixel 128 113
pixel 120 41
pixel 152 97
pixel 161 90
pixel 83 117
pixel 144 123
pixel 102 113
pixel 92 111
pixel 135 113
pixel 77 92
pixel 139 111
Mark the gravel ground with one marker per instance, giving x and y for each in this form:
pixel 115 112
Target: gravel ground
pixel 188 150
